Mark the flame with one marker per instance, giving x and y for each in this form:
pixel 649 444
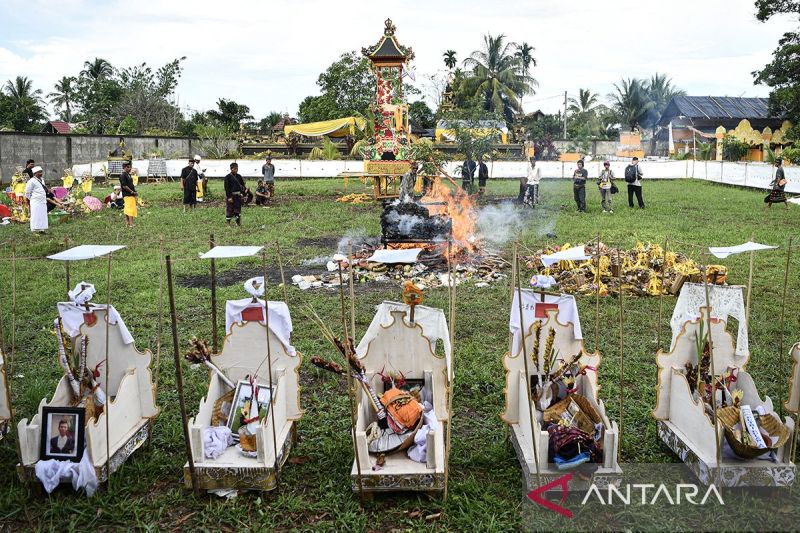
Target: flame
pixel 457 205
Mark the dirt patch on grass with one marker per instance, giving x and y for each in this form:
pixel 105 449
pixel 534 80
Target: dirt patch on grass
pixel 326 241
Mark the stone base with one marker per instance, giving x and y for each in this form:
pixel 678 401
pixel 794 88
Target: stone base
pixel 731 472
pixel 581 480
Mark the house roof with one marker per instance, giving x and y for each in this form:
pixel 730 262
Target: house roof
pixel 388 47
pixel 716 108
pixel 60 126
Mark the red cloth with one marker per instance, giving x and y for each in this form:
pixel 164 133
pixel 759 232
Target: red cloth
pixel 4 211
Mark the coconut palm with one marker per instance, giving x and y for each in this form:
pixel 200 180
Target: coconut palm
pixel 450 59
pixel 496 76
pixel 64 96
pixel 525 55
pixel 660 90
pixel 97 69
pixel 584 103
pixel 630 102
pixel 25 103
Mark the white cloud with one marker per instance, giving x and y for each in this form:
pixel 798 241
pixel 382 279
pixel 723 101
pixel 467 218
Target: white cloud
pixel 268 54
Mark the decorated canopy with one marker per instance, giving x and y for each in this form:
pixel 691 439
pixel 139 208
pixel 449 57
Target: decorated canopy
pixel 340 127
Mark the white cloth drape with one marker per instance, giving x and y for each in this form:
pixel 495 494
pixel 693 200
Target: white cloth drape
pixel 82 475
pixel 36 195
pixel 567 312
pixel 726 301
pixel 72 317
pixel 280 321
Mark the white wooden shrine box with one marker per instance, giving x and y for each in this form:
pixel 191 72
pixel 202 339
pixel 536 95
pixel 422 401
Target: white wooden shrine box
pixel 5 408
pixel 394 344
pixel 130 392
pixel 244 352
pixel 690 432
pixel 517 412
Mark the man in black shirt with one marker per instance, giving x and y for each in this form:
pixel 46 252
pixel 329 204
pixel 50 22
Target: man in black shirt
pixel 189 185
pixel 128 194
pixel 29 168
pixel 483 175
pixel 579 186
pixel 234 189
pixel 467 174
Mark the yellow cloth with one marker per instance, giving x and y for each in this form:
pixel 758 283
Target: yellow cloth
pixel 68 180
pixel 87 186
pixel 135 178
pixel 199 189
pixel 340 127
pixel 130 209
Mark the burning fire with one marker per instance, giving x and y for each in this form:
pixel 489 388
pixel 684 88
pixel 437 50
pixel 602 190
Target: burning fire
pixel 455 204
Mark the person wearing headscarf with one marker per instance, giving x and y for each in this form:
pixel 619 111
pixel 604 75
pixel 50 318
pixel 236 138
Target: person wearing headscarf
pixel 115 200
pixel 37 196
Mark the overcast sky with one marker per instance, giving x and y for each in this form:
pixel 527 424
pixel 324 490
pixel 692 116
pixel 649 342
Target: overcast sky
pixel 268 54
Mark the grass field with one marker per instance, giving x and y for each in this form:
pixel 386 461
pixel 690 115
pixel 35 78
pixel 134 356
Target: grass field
pixel 486 491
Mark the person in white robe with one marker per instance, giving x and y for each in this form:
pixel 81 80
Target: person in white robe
pixel 36 197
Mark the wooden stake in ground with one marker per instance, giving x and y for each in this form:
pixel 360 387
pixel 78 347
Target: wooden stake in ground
pixel 534 436
pixel 107 405
pixel 621 359
pixel 269 370
pixel 211 244
pixel 717 444
pixel 749 286
pixel 159 329
pixel 661 298
pixel 451 293
pixel 8 385
pixel 13 353
pixel 350 388
pixel 783 323
pixel 352 291
pixel 280 266
pixel 596 300
pixel 66 267
pixel 179 377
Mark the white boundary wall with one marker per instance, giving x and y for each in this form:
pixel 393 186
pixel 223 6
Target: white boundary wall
pixel 756 175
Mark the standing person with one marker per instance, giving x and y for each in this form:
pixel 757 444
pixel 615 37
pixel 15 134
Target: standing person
pixel 128 194
pixel 483 175
pixel 202 180
pixel 777 194
pixel 268 171
pixel 633 177
pixel 579 178
pixel 189 178
pixel 28 170
pixel 530 195
pixel 234 189
pixel 467 173
pixel 605 181
pixel 36 199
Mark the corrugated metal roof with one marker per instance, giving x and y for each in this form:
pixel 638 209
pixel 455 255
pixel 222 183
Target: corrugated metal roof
pixel 721 107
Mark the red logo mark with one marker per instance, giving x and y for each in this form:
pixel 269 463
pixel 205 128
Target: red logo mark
pixel 537 495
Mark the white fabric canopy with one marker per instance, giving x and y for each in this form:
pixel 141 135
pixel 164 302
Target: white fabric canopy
pixel 225 252
pixel 85 251
pixel 280 321
pixel 567 312
pixel 726 301
pixel 409 255
pixel 576 253
pixel 431 319
pixel 724 251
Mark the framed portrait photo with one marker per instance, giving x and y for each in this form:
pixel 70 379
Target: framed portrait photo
pixel 241 402
pixel 63 433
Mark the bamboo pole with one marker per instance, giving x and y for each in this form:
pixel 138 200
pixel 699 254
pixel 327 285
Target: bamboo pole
pixel 596 300
pixel 717 444
pixel 661 298
pixel 12 354
pixel 214 343
pixel 451 318
pixel 283 277
pixel 350 388
pixel 269 370
pixel 783 322
pixel 179 377
pixel 8 384
pixel 352 292
pixel 108 372
pixel 749 287
pixel 534 436
pixel 66 267
pixel 621 359
pixel 159 329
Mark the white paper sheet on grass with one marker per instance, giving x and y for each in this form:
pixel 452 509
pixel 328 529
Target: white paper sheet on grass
pixel 431 319
pixel 724 251
pixel 225 252
pixel 409 255
pixel 85 251
pixel 576 253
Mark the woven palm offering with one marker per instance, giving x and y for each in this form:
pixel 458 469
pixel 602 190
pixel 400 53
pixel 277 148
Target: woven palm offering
pixel 575 410
pixel 735 434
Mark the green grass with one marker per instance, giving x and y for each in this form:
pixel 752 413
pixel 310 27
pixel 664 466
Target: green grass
pixel 486 491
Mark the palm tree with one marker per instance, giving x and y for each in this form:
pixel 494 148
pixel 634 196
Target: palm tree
pixel 660 90
pixel 25 103
pixel 525 54
pixel 631 102
pixel 497 76
pixel 585 102
pixel 450 59
pixel 64 96
pixel 97 69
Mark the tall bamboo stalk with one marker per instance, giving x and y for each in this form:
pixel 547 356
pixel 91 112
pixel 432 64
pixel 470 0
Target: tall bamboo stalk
pixel 213 267
pixel 283 277
pixel 179 379
pixel 269 370
pixel 621 359
pixel 451 319
pixel 597 279
pixel 534 435
pixel 783 322
pixel 661 298
pixel 67 266
pixel 717 444
pixel 108 371
pixel 749 286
